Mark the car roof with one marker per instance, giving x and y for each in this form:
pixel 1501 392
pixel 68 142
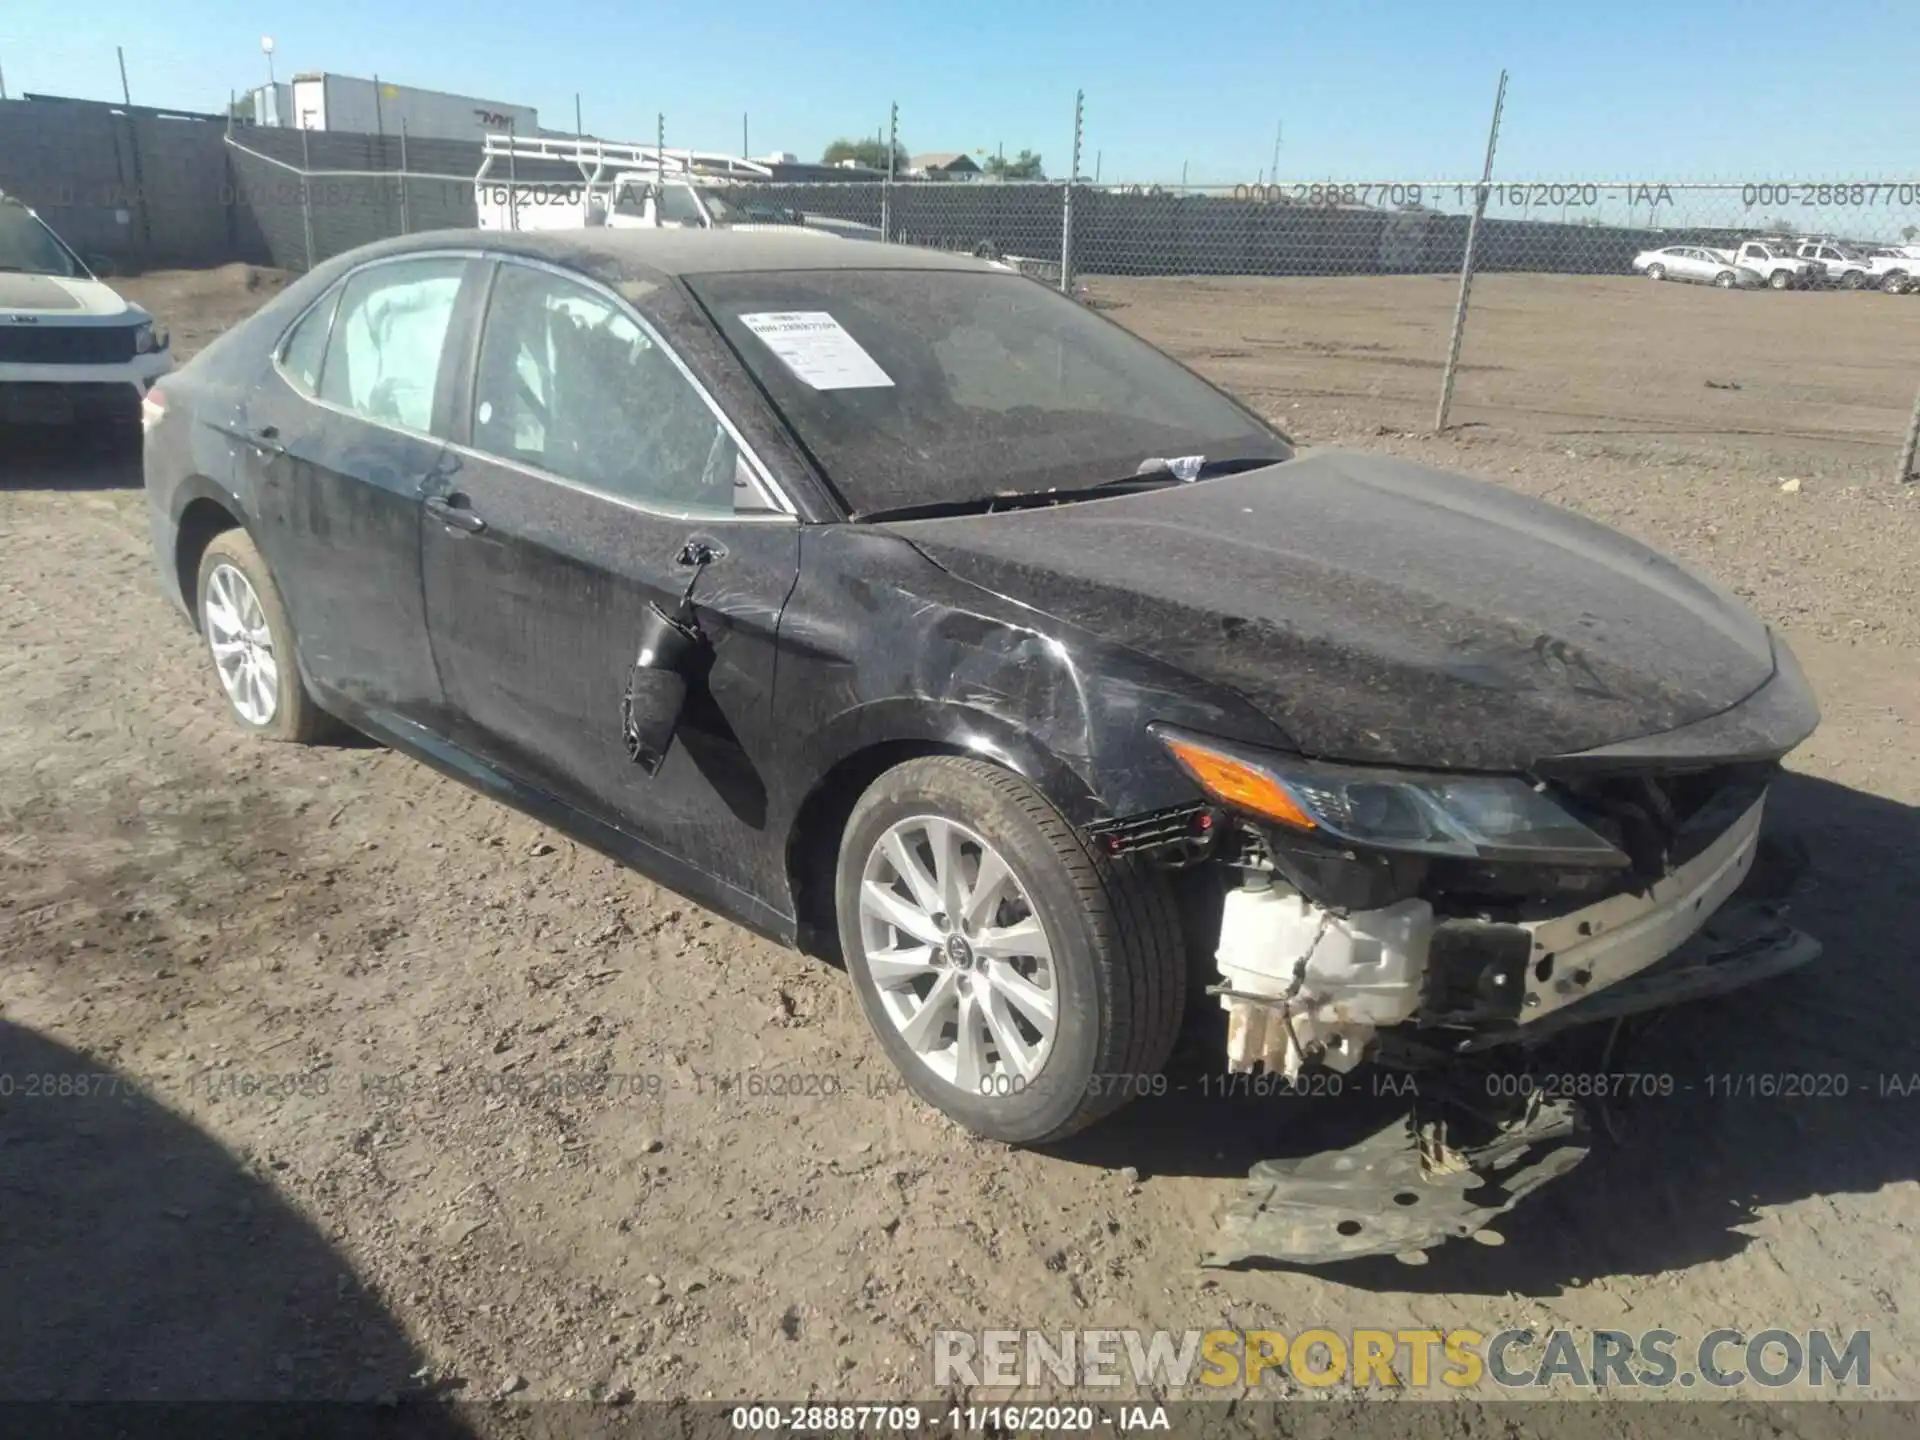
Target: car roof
pixel 647 253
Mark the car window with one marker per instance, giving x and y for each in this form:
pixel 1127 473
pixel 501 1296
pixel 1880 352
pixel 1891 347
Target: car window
pixel 930 387
pixel 306 344
pixel 631 199
pixel 569 382
pixel 383 360
pixel 678 207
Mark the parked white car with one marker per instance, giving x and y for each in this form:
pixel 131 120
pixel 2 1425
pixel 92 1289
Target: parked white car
pixel 1697 263
pixel 1895 268
pixel 71 350
pixel 1838 264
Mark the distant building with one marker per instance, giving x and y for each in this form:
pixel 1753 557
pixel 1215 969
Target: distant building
pixel 318 100
pixel 943 165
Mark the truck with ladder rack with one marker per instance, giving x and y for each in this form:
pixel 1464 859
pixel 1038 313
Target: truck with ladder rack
pixel 556 183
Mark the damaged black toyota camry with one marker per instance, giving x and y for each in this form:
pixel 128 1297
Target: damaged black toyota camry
pixel 897 606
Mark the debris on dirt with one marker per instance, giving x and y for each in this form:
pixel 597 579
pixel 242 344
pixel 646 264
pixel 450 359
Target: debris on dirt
pixel 1791 486
pixel 1723 385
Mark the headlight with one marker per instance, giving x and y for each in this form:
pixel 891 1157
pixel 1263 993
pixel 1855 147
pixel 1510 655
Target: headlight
pixel 148 340
pixel 1485 817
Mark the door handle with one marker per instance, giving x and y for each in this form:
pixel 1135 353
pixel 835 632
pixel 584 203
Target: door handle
pixel 267 438
pixel 454 512
pixel 699 551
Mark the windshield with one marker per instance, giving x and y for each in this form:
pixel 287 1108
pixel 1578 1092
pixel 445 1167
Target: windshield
pixel 29 246
pixel 719 209
pixel 926 387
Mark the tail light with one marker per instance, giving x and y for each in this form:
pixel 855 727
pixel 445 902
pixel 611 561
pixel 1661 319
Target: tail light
pixel 153 408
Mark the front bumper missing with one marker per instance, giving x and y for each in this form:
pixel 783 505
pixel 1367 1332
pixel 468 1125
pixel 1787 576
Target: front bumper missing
pixel 1403 1189
pixel 1416 1182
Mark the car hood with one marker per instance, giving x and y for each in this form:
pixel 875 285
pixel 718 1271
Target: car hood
pixel 1380 611
pixel 57 299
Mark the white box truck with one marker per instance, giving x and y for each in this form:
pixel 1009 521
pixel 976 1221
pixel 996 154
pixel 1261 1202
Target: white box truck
pixel 324 101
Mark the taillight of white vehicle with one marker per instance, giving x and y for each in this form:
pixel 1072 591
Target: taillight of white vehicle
pixel 153 408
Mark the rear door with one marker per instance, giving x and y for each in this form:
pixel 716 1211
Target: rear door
pixel 342 442
pixel 590 462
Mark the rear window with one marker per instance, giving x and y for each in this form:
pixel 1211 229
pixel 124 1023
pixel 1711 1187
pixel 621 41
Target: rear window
pixel 919 387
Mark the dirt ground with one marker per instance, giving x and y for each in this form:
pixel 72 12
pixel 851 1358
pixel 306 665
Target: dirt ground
pixel 325 1005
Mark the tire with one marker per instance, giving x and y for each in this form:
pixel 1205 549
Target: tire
pixel 292 716
pixel 1656 272
pixel 1117 967
pixel 1726 280
pixel 1851 280
pixel 1780 279
pixel 1894 283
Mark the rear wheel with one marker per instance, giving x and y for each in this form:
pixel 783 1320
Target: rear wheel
pixel 1894 283
pixel 250 642
pixel 1726 280
pixel 1851 280
pixel 1023 983
pixel 1656 272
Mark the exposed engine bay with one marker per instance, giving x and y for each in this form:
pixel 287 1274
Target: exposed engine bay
pixel 1332 957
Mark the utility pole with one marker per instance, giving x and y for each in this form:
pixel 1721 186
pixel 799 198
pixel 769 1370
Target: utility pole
pixel 125 94
pixel 744 148
pixel 1273 175
pixel 579 130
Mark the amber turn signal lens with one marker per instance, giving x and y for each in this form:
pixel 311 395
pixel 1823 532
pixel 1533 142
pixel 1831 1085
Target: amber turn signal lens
pixel 1236 783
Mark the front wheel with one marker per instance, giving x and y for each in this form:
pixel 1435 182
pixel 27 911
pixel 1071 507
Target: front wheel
pixel 1726 280
pixel 1023 983
pixel 1780 279
pixel 1851 280
pixel 1656 272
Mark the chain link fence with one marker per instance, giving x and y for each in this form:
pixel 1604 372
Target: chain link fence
pixel 1771 320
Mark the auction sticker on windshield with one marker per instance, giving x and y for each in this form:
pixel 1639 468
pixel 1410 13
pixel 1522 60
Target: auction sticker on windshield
pixel 817 349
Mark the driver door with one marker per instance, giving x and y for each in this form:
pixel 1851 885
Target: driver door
pixel 588 462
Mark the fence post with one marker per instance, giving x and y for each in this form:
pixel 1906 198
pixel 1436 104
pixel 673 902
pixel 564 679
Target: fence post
pixel 1913 443
pixel 659 166
pixel 886 188
pixel 1066 198
pixel 1466 262
pixel 306 191
pixel 513 183
pixel 406 220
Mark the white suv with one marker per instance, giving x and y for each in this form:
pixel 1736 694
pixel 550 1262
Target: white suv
pixel 71 350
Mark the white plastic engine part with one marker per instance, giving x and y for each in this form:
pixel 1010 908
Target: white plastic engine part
pixel 1305 983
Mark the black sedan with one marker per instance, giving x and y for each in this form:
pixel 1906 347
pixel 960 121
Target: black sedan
pixel 898 607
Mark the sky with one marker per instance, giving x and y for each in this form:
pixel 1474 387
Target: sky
pixel 1727 90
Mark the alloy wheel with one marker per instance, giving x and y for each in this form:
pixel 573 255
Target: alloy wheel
pixel 242 645
pixel 961 961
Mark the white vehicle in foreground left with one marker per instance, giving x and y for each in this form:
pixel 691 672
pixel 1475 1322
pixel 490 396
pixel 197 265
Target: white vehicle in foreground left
pixel 71 349
pixel 1698 263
